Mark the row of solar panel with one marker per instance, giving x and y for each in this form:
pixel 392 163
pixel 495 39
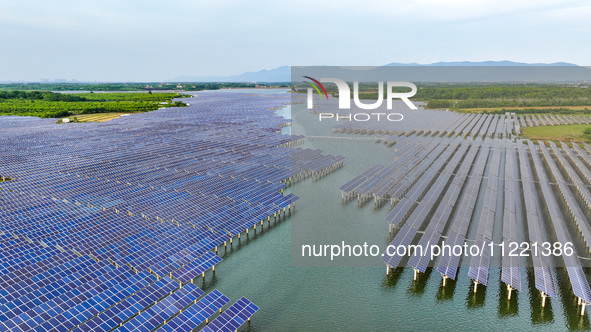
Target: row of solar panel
pixel 510 271
pixel 572 205
pixel 448 265
pixel 422 212
pixel 158 242
pixel 534 120
pixel 576 274
pixel 542 269
pixel 439 220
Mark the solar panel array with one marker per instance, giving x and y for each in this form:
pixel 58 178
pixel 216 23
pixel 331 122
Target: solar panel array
pixel 197 314
pixel 479 265
pixel 579 282
pixel 448 264
pixel 576 211
pixel 440 123
pixel 433 123
pixel 510 271
pixel 535 120
pixel 439 220
pixel 457 197
pixel 106 225
pixel 544 278
pixel 233 317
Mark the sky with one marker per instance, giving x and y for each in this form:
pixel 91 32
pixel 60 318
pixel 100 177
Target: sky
pixel 148 40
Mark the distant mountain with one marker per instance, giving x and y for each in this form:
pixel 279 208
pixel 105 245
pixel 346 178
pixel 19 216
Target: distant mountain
pixel 280 74
pixel 283 73
pixel 482 63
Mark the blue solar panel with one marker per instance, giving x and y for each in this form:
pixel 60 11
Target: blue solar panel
pixel 163 310
pixel 544 279
pixel 196 314
pixel 231 319
pixel 79 213
pixel 579 282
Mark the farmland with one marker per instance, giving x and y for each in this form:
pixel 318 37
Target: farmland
pixel 54 105
pixel 572 133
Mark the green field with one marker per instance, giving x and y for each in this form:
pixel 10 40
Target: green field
pixel 55 105
pixel 128 96
pixel 559 133
pixel 494 98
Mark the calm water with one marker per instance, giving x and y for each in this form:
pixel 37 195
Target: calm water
pixel 327 298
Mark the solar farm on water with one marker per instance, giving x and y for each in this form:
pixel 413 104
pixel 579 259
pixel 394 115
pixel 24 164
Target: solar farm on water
pixel 114 225
pixel 105 226
pixel 446 164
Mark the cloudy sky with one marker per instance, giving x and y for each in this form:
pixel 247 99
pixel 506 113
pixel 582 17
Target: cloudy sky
pixel 130 40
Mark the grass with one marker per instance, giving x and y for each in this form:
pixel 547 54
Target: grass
pixel 513 108
pixel 559 133
pixel 130 96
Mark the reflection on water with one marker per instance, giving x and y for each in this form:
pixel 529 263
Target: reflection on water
pixel 392 278
pixel 570 306
pixel 507 307
pixel 476 299
pixel 418 286
pixel 446 293
pixel 538 315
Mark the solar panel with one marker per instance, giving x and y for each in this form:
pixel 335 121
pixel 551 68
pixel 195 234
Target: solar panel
pixel 479 264
pixel 85 215
pixel 542 269
pixel 196 314
pixel 576 275
pixel 231 319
